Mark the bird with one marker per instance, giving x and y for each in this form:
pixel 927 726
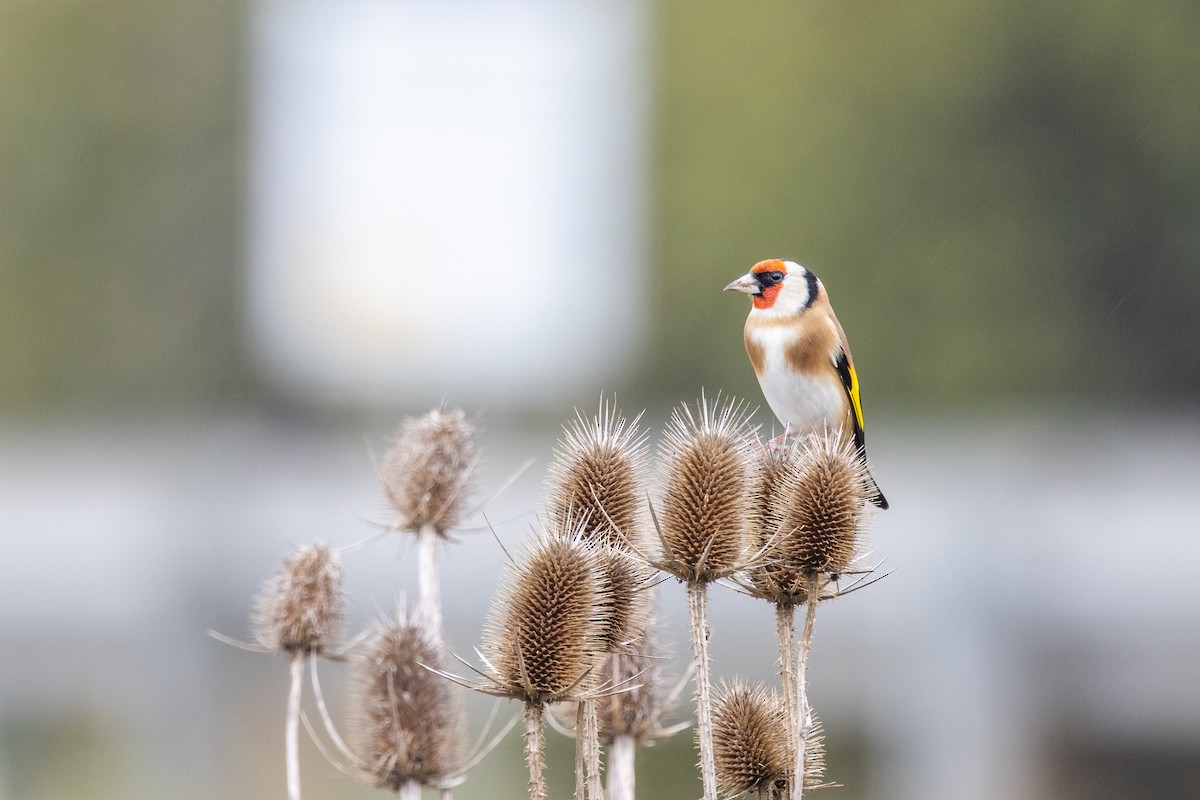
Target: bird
pixel 801 357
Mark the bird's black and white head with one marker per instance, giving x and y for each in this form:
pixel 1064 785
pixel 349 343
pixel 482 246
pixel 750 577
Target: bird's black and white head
pixel 778 287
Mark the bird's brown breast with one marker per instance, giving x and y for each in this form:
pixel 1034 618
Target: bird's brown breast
pixel 809 349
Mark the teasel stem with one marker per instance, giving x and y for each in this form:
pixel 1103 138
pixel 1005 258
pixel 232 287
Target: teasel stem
pixel 621 755
pixel 587 751
pixel 535 747
pixel 698 611
pixel 429 592
pixel 291 735
pixel 785 631
pixel 591 735
pixel 581 755
pixel 804 722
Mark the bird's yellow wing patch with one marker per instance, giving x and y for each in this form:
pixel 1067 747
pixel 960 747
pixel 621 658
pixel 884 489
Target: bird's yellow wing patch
pixel 854 398
pixel 849 378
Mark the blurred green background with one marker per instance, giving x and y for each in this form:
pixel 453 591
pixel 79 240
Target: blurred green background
pixel 120 202
pixel 1003 199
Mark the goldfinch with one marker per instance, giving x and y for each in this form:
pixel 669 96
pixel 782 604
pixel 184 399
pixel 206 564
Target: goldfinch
pixel 800 355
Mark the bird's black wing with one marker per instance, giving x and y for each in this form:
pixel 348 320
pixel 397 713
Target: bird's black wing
pixel 845 371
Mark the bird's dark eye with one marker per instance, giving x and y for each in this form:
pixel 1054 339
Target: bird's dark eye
pixel 771 278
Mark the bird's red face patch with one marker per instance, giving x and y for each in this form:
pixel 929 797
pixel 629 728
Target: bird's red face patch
pixel 770 274
pixel 767 298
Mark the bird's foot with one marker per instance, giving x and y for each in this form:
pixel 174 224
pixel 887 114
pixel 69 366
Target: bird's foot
pixel 779 442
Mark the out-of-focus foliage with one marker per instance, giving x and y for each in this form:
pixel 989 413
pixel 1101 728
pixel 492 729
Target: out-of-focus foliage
pixel 119 186
pixel 1002 197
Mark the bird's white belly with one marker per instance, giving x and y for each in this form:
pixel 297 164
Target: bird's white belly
pixel 802 403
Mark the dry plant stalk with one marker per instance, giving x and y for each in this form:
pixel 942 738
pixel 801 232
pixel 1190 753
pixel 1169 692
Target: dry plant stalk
pixel 704 508
pixel 299 612
pixel 426 475
pixel 406 720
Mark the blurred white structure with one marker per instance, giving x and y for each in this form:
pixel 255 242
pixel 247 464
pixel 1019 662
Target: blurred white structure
pixel 446 197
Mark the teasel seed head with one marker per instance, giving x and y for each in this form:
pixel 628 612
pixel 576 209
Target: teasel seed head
pixel 824 491
pixel 426 473
pixel 406 720
pixel 597 478
pixel 545 638
pixel 774 573
pixel 705 498
pixel 639 696
pixel 751 745
pixel 626 601
pixel 299 610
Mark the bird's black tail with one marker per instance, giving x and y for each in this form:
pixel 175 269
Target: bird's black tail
pixel 873 493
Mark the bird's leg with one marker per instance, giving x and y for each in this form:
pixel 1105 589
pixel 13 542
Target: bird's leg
pixel 779 442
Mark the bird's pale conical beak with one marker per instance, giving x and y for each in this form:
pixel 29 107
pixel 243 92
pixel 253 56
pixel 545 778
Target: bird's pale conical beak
pixel 747 284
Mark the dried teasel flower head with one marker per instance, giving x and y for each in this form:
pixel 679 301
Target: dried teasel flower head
pixel 406 721
pixel 627 600
pixel 597 477
pixel 544 639
pixel 751 746
pixel 426 473
pixel 640 695
pixel 822 514
pixel 773 575
pixel 705 499
pixel 299 610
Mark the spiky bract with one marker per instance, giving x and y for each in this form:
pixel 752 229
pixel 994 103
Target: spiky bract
pixel 407 720
pixel 545 637
pixel 597 478
pixel 704 507
pixel 751 745
pixel 427 472
pixel 300 608
pixel 823 492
